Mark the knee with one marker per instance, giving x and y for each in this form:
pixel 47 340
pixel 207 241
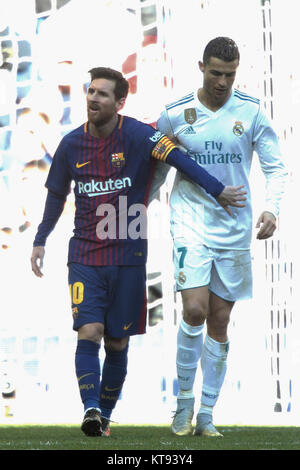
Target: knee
pixel 116 344
pixel 194 312
pixel 91 332
pixel 217 325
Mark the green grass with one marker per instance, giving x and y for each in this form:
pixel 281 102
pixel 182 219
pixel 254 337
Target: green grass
pixel 146 437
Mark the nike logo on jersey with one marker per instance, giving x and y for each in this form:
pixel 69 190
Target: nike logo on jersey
pixel 126 327
pixel 79 165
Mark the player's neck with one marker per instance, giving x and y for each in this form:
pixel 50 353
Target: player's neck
pixel 104 130
pixel 208 101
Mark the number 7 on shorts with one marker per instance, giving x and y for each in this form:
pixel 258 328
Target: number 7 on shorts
pixel 183 251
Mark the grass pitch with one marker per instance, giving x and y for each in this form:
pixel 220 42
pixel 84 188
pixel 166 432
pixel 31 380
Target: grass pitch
pixel 146 437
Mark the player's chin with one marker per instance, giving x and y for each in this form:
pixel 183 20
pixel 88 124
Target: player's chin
pixel 93 115
pixel 221 95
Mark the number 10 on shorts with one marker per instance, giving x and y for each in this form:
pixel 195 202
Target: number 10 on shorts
pixel 76 292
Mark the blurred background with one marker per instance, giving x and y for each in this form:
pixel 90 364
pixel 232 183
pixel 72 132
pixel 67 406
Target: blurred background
pixel 47 48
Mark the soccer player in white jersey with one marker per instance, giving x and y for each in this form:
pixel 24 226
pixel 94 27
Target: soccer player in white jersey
pixel 219 127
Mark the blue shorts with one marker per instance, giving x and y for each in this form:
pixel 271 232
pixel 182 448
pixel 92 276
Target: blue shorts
pixel 112 295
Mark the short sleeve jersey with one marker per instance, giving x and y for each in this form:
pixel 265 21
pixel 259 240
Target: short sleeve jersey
pixel 223 143
pixel 112 178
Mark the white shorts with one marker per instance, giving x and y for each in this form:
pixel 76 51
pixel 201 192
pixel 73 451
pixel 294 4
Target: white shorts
pixel 227 273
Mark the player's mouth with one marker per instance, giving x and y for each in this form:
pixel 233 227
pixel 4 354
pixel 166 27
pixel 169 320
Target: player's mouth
pixel 94 108
pixel 220 91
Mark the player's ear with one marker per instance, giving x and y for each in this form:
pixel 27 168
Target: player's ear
pixel 201 66
pixel 121 103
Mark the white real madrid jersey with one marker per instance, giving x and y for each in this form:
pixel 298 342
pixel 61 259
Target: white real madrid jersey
pixel 223 143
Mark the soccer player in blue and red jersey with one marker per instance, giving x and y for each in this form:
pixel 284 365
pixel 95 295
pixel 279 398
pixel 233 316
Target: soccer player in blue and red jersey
pixel 110 159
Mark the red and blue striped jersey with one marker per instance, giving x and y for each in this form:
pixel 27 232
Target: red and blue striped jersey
pixel 112 178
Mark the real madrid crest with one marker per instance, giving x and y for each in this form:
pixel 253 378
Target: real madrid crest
pixel 238 128
pixel 181 277
pixel 117 160
pixel 190 115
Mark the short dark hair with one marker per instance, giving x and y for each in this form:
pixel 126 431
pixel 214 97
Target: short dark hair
pixel 222 48
pixel 121 84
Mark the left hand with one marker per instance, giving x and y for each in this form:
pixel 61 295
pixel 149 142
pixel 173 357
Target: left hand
pixel 232 196
pixel 267 225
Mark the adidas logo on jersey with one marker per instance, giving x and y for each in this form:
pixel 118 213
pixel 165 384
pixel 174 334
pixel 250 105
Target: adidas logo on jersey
pixel 189 131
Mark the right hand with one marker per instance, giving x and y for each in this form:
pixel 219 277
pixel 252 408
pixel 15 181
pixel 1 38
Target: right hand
pixel 232 196
pixel 37 258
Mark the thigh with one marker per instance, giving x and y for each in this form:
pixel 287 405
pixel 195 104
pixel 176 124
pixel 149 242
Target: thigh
pixel 192 265
pixel 127 312
pixel 218 317
pixel 89 295
pixel 231 277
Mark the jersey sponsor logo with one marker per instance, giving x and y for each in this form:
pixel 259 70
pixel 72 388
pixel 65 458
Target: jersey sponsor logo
pixel 79 165
pixel 117 160
pixel 100 188
pixel 156 137
pixel 190 115
pixel 238 128
pixel 214 153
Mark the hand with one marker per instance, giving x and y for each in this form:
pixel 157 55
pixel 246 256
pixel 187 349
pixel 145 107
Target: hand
pixel 266 224
pixel 38 253
pixel 231 196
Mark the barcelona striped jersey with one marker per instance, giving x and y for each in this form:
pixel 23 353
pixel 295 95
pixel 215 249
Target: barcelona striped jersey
pixel 112 179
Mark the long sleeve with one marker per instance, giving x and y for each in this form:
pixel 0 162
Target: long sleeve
pixel 267 147
pixel 195 172
pixel 53 209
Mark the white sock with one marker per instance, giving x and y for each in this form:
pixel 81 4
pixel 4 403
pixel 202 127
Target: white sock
pixel 207 410
pixel 214 365
pixel 189 348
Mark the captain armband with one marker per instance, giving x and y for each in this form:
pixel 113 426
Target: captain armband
pixel 163 148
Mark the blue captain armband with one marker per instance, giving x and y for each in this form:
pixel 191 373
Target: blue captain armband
pixel 195 172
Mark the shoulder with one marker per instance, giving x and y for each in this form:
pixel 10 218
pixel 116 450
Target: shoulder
pixel 179 104
pixel 138 130
pixel 245 99
pixel 79 131
pixel 175 111
pixel 129 124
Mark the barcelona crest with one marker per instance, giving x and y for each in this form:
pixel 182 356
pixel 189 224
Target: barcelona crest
pixel 117 160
